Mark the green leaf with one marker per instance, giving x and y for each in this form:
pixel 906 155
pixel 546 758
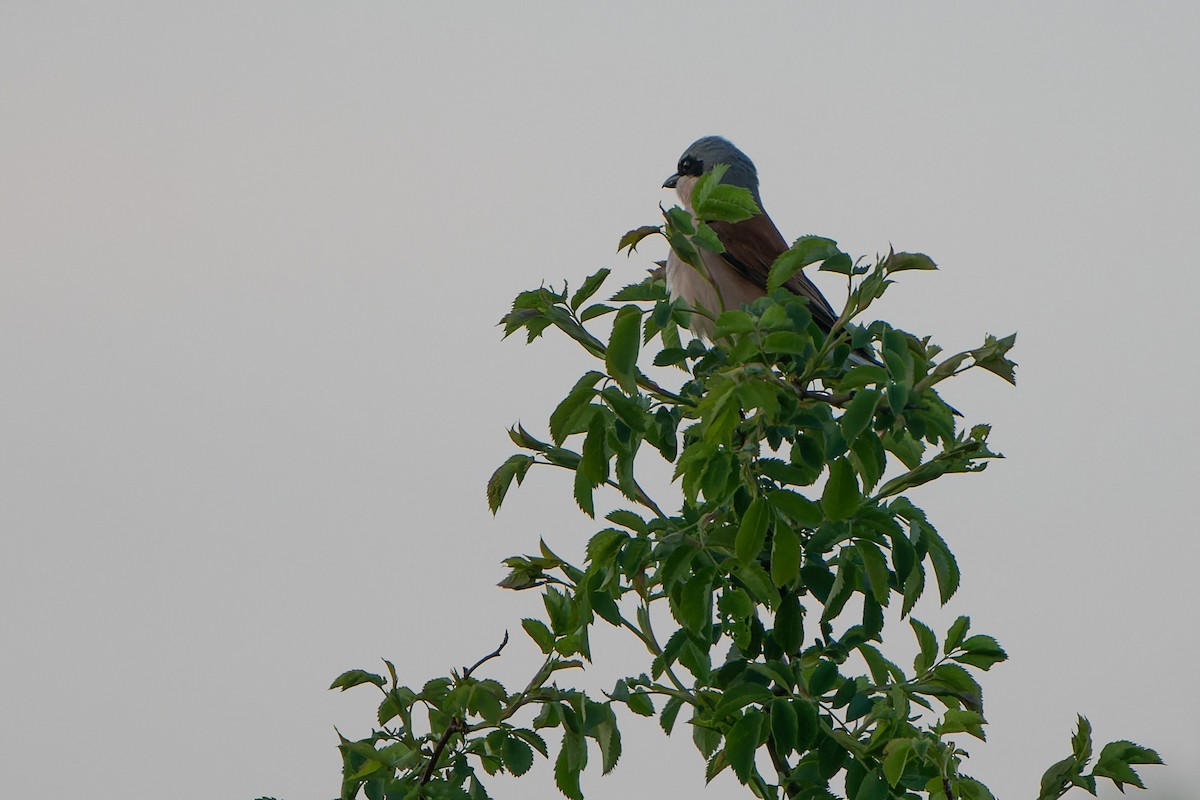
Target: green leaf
pixel 356 677
pixel 873 787
pixel 694 609
pixel 572 758
pixel 641 704
pixel 841 496
pixel 796 507
pixel 580 395
pixel 785 727
pixel 876 569
pixel 993 356
pixel 944 565
pixel 897 262
pixel 666 719
pixel 648 290
pixel 955 635
pixel 1115 759
pixel 518 756
pixel 715 201
pixel 789 624
pixel 497 487
pixel 622 353
pixel 981 652
pixel 1056 779
pixel 928 643
pixel 634 237
pixel 540 634
pixel 609 739
pixel 839 263
pixel 804 251
pixel 823 678
pixel 595 451
pixel 589 287
pixel 732 322
pixel 534 740
pixel 583 493
pixel 957 719
pixel 741 743
pixel 1081 742
pixel 898 752
pixel 785 556
pixel 758 582
pixel 595 310
pixel 787 342
pixel 752 533
pixel 859 413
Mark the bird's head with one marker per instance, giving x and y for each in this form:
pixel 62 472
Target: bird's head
pixel 704 154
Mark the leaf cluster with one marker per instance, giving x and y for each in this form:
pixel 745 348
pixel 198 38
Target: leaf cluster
pixel 795 527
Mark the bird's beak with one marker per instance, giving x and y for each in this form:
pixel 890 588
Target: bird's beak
pixel 670 182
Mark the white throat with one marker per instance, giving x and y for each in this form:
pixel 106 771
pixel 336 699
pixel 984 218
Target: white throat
pixel 683 188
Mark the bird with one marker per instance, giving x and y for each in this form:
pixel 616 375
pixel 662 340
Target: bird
pixel 751 246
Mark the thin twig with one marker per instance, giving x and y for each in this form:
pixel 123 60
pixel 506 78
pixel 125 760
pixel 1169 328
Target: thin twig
pixel 495 653
pixel 456 724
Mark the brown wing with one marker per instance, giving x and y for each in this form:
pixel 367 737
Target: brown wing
pixel 751 247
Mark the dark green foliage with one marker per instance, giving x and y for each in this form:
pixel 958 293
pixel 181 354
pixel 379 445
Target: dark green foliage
pixel 792 531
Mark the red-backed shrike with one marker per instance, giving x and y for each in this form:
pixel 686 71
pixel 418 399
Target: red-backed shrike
pixel 751 246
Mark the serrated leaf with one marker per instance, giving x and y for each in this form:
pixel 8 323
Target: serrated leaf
pixel 824 677
pixel 540 634
pixel 859 413
pixel 732 322
pixel 1081 742
pixel 981 652
pixel 589 287
pixel 621 355
pixel 634 237
pixel 898 752
pixel 356 677
pixel 789 624
pixel 955 635
pixel 1115 760
pixel 841 496
pixel 804 251
pixel 572 758
pixel 873 787
pixel 648 290
pixel 579 396
pixel 993 356
pixel 741 743
pixel 758 582
pixel 595 451
pixel 785 556
pixel 796 507
pixel 875 566
pixel 534 740
pixel 957 719
pixel 594 311
pixel 929 646
pixel 785 727
pixel 722 202
pixel 944 565
pixel 517 755
pixel 584 493
pixel 641 704
pixel 513 469
pixel 752 533
pixel 897 262
pixel 666 719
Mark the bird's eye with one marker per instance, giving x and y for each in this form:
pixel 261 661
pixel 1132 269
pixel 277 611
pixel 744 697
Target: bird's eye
pixel 690 166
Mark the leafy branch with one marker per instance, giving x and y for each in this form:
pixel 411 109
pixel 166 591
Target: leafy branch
pixel 793 528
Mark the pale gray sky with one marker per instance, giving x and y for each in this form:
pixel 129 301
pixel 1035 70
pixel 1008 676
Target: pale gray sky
pixel 251 260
